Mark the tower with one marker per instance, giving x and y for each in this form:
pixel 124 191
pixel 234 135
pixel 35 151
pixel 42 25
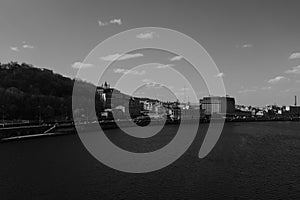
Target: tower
pixel 184 96
pixel 295 100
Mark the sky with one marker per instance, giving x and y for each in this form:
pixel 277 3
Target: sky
pixel 255 44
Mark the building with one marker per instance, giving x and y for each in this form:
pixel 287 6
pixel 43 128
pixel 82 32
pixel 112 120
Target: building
pixel 135 107
pixel 217 104
pixel 120 104
pixel 242 113
pixel 173 110
pixel 111 96
pixel 295 111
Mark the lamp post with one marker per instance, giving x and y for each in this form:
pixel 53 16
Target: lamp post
pixel 66 112
pixel 2 115
pixel 39 114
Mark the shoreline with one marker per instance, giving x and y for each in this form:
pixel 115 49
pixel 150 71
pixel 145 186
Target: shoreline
pixel 24 132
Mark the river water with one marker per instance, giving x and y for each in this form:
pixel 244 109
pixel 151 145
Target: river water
pixel 255 160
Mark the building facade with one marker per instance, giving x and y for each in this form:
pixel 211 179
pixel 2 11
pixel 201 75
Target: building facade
pixel 218 105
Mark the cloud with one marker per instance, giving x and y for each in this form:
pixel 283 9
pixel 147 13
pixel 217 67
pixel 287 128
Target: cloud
pixel 247 45
pixel 162 66
pixel 179 93
pixel 295 55
pixel 24 46
pixel 184 89
pixel 294 70
pixel 16 49
pixel 220 75
pixel 176 58
pixel 78 65
pixel 151 83
pixel 129 71
pixel 266 88
pixel 146 35
pixel 148 81
pixel 27 46
pixel 154 85
pixel 117 56
pixel 102 23
pixel 277 79
pixel 246 91
pixel 116 21
pixel 112 21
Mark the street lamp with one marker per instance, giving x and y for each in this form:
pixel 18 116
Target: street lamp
pixel 65 112
pixel 39 114
pixel 2 115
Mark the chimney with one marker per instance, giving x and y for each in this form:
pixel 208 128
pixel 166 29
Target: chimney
pixel 295 100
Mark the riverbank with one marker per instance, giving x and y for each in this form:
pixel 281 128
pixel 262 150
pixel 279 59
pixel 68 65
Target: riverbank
pixel 46 130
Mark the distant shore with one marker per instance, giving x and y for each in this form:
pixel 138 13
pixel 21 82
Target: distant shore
pixel 27 131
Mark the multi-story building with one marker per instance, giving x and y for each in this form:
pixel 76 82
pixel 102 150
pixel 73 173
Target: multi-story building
pixel 112 99
pixel 295 110
pixel 218 105
pixel 173 110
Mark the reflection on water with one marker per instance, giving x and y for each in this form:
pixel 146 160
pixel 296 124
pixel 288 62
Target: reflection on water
pixel 251 160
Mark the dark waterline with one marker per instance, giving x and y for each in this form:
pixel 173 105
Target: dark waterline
pixel 257 160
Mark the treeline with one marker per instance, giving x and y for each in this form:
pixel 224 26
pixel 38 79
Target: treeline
pixel 30 93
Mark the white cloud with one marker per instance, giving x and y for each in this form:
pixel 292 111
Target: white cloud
pixel 102 23
pixel 154 85
pixel 246 91
pixel 247 45
pixel 295 55
pixel 277 79
pixel 116 21
pixel 147 81
pixel 14 49
pixel 176 58
pixel 129 71
pixel 220 75
pixel 27 46
pixel 147 35
pixel 266 88
pixel 78 65
pixel 117 56
pixel 112 21
pixel 24 46
pixel 184 89
pixel 162 66
pixel 179 93
pixel 294 70
pixel 151 83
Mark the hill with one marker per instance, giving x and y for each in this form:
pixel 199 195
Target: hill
pixel 30 93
